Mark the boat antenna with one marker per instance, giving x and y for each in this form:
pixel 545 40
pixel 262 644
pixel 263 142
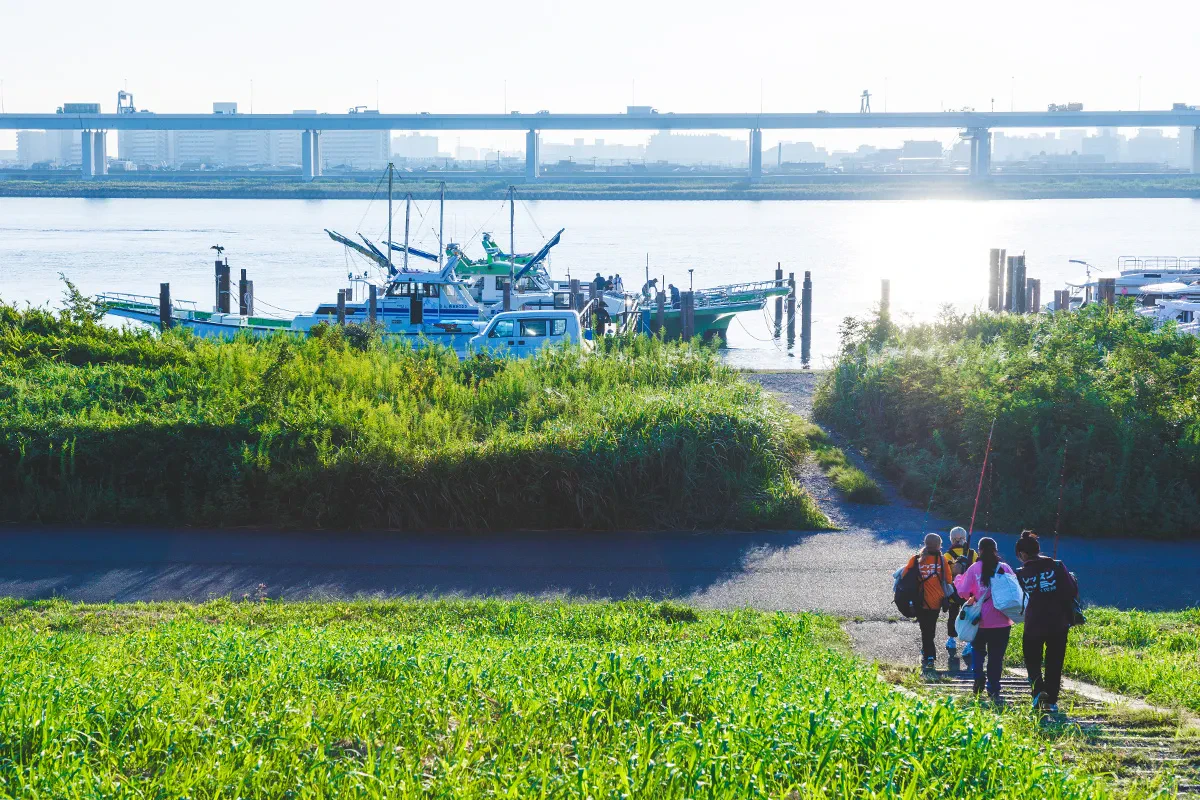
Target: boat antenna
pixel 986 452
pixel 512 230
pixel 407 217
pixel 442 225
pixel 389 239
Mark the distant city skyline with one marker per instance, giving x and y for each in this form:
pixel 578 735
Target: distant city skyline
pixel 535 55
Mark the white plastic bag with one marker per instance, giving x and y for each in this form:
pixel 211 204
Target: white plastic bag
pixel 968 620
pixel 1007 595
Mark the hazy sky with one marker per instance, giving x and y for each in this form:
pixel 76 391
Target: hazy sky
pixel 572 56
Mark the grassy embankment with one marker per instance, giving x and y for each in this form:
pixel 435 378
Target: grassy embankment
pixel 472 699
pixel 648 188
pixel 1096 400
pixel 1153 655
pixel 854 484
pixel 339 430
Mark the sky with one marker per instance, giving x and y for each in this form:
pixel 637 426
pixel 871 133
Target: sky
pixel 527 55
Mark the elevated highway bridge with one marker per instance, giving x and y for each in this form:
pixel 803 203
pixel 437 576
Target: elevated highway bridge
pixel 974 125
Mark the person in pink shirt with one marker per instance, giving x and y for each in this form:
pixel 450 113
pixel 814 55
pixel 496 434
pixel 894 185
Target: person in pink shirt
pixel 994 628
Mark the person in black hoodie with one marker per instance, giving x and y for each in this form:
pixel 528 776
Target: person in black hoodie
pixel 1049 611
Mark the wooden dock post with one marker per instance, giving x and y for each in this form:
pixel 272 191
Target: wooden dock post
pixel 660 313
pixel 373 303
pixel 245 296
pixel 1007 291
pixel 806 319
pixel 778 299
pixel 575 304
pixel 687 315
pixel 164 306
pixel 508 295
pixel 993 297
pixel 1108 291
pixel 885 298
pixel 222 278
pixel 1033 296
pixel 791 309
pixel 341 307
pixel 1020 287
pixel 1000 280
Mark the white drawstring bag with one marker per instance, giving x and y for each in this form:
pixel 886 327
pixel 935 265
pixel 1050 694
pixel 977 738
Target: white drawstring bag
pixel 1007 595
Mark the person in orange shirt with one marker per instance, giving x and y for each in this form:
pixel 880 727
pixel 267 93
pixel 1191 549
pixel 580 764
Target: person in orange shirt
pixel 936 571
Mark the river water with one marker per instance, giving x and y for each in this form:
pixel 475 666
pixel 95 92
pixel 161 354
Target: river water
pixel 933 251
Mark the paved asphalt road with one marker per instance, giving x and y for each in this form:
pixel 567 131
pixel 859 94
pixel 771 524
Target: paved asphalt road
pixel 846 573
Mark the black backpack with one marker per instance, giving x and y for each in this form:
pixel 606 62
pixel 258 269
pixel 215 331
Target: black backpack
pixel 909 590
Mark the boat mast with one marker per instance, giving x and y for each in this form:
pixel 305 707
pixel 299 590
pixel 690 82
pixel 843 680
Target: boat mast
pixel 389 239
pixel 407 216
pixel 512 232
pixel 441 225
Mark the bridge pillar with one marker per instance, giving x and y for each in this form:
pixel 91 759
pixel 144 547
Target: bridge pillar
pixel 318 170
pixel 306 155
pixel 1196 150
pixel 981 152
pixel 755 155
pixel 99 153
pixel 86 149
pixel 533 155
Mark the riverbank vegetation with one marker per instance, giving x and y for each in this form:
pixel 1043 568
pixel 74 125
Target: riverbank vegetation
pixel 474 699
pixel 339 430
pixel 1095 405
pixel 647 187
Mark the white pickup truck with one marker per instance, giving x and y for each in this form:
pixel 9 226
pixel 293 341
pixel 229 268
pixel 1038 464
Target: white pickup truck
pixel 523 333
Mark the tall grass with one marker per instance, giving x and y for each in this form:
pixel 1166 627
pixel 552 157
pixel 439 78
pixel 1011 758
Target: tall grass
pixel 480 699
pixel 1155 655
pixel 340 430
pixel 1095 402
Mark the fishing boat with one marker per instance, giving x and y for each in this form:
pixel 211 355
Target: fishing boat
pixel 715 309
pixel 412 304
pixel 1131 277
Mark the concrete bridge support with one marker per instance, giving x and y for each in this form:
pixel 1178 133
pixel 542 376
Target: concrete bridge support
pixel 1195 150
pixel 86 151
pixel 755 155
pixel 310 154
pixel 533 155
pixel 99 153
pixel 981 152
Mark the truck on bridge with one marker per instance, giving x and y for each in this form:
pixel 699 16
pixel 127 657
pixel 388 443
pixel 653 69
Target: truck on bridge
pixel 1065 107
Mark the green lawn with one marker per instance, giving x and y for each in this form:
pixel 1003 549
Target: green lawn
pixel 473 699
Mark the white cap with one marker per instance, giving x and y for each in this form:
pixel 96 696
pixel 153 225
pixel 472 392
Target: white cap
pixel 958 533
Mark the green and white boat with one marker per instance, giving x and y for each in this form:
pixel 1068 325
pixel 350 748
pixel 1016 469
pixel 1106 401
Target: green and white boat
pixel 715 309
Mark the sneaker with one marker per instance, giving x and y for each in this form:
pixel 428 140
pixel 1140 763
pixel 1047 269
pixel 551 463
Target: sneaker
pixel 1052 708
pixel 978 688
pixel 967 650
pixel 951 643
pixel 995 698
pixel 930 662
pixel 1037 702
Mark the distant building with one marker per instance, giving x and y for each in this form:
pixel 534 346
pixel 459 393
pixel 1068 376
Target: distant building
pixel 58 148
pixel 702 148
pixel 415 146
pixel 8 156
pixel 599 150
pixel 144 148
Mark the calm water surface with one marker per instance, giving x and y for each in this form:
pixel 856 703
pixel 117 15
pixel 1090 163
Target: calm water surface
pixel 934 251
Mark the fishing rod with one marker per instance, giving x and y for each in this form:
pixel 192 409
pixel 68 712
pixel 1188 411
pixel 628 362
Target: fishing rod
pixel 1062 481
pixel 986 452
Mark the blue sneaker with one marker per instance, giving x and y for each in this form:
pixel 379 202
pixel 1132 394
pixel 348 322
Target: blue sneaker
pixel 1037 702
pixel 967 650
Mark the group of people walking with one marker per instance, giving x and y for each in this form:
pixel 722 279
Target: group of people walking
pixel 963 577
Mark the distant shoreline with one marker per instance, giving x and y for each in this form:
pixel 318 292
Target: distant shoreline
pixel 906 187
